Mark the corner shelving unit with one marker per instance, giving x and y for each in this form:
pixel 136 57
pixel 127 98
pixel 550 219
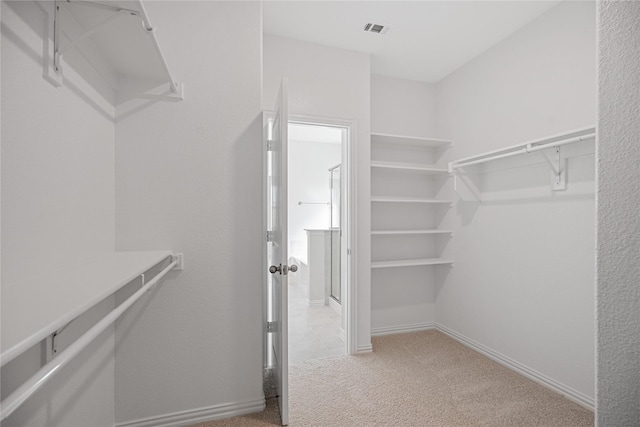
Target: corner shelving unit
pixel 402 157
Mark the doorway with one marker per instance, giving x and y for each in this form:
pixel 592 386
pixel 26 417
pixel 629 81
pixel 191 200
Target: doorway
pixel 317 239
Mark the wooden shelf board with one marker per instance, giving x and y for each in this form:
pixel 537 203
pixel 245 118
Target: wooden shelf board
pixel 409 140
pixel 410 262
pixel 34 309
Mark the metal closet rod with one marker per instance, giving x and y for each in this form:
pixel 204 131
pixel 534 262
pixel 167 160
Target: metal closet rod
pixel 528 148
pixel 29 387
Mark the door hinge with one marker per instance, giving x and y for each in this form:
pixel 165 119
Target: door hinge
pixel 269 236
pixel 270 327
pixel 269 145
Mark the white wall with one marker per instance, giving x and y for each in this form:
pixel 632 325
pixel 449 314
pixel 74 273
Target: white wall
pixel 402 299
pixel 523 281
pixel 618 298
pixel 57 208
pixel 189 178
pixel 333 83
pixel 309 181
pixel 402 107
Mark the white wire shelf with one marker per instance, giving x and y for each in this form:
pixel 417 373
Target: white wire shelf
pixel 410 167
pixel 34 309
pixel 553 141
pixel 411 262
pixel 117 38
pixel 408 232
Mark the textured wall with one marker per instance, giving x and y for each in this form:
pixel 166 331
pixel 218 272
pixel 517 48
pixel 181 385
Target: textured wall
pixel 189 179
pixel 57 209
pixel 618 263
pixel 523 280
pixel 402 107
pixel 328 82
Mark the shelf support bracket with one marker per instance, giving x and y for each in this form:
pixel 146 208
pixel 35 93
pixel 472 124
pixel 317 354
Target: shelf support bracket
pixel 176 89
pixel 59 50
pixel 558 168
pixel 472 189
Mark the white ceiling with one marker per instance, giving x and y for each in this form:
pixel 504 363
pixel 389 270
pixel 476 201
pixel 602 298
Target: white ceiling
pixel 425 41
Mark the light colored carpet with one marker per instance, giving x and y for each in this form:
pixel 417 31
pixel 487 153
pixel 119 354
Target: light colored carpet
pixel 416 379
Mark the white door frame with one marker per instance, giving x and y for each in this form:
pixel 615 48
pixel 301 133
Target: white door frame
pixel 349 159
pixel 348 237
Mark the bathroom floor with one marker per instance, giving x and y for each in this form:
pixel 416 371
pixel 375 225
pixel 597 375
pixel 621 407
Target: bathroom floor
pixel 314 332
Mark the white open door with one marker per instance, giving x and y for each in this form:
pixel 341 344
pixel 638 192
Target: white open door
pixel 277 253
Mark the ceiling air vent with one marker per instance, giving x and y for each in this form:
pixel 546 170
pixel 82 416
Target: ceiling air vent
pixel 375 28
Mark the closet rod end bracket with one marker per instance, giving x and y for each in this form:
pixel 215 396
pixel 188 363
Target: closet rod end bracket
pixel 179 258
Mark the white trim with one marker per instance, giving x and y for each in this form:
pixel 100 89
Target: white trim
pixel 349 158
pixel 193 416
pixel 335 306
pixel 266 116
pixel 402 329
pixel 368 348
pixel 532 374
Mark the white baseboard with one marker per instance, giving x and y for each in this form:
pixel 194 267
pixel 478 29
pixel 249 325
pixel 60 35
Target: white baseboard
pixel 364 349
pixel 401 329
pixel 532 374
pixel 335 305
pixel 194 416
pixel 316 303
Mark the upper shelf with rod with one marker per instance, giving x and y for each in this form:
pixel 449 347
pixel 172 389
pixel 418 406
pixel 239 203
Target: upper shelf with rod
pixel 555 162
pixel 40 308
pixel 118 39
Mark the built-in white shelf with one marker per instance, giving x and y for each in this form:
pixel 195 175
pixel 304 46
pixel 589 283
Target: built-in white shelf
pixel 384 199
pixel 411 262
pixel 385 138
pixel 408 232
pixel 36 308
pixel 409 167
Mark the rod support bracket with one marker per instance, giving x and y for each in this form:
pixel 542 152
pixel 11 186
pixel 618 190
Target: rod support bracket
pixel 558 167
pixel 179 258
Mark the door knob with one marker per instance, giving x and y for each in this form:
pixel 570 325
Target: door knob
pixel 283 269
pixel 273 269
